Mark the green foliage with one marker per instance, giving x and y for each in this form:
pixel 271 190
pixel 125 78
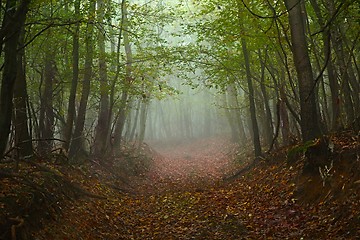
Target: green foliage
pixel 195 42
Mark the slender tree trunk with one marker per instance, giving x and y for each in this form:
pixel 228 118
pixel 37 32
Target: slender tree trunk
pixel 284 117
pixel 128 121
pixel 235 114
pixel 142 123
pixel 22 134
pixel 102 128
pixel 75 56
pixel 337 40
pixel 296 102
pixel 127 80
pixel 355 85
pixel 240 121
pixel 251 96
pixel 280 108
pixel 333 83
pixel 309 120
pixel 345 84
pixel 187 121
pixel 268 128
pixel 47 119
pixel 166 128
pixel 135 123
pixel 318 70
pixel 254 123
pixel 231 120
pixel 120 122
pixel 77 142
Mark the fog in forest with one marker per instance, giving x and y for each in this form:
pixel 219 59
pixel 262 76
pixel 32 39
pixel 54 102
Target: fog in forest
pixel 183 105
pixel 179 119
pixel 191 114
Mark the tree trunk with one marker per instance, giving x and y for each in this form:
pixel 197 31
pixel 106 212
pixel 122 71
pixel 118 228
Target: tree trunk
pixel 268 123
pixel 142 123
pixel 235 114
pixel 254 123
pixel 120 122
pixel 75 56
pixel 345 84
pixel 22 135
pixel 102 128
pixel 12 23
pixel 284 117
pixel 309 120
pixel 355 85
pixel 126 82
pixel 165 126
pixel 231 120
pixel 135 122
pixel 77 141
pixel 47 121
pixel 338 45
pixel 333 83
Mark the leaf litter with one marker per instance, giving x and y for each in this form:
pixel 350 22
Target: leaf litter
pixel 183 196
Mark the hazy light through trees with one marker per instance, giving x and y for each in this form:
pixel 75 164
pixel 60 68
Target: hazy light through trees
pixel 190 111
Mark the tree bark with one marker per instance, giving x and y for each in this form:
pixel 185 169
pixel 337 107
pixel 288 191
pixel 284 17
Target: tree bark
pixel 120 122
pixel 46 123
pixel 75 76
pixel 333 83
pixel 126 82
pixel 338 44
pixel 230 118
pixel 135 122
pixel 235 114
pixel 12 24
pixel 268 128
pixel 284 117
pixel 77 141
pixel 142 122
pixel 309 120
pixel 254 123
pixel 22 135
pixel 102 128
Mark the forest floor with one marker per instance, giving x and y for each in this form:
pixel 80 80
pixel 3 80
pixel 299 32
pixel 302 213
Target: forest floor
pixel 182 194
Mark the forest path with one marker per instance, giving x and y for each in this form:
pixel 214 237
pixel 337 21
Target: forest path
pixel 179 198
pixel 196 164
pixel 183 197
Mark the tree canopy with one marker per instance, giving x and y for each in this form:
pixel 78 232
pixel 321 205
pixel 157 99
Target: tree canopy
pixel 92 72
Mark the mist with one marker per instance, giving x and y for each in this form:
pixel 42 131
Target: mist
pixel 191 114
pixel 179 119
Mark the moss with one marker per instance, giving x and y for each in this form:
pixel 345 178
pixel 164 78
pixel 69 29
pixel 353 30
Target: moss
pixel 301 149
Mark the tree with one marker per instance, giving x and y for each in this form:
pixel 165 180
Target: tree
pixel 101 140
pixel 120 122
pixel 75 76
pixel 13 22
pixel 333 82
pixel 254 123
pixel 23 141
pixel 77 143
pixel 267 121
pixel 309 120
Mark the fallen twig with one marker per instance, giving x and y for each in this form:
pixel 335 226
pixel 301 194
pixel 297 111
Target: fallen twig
pixel 240 172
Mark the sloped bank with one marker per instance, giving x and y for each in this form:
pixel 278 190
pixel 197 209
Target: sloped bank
pixel 34 193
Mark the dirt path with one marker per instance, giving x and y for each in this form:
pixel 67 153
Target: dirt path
pixel 174 200
pixel 182 197
pixel 194 164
